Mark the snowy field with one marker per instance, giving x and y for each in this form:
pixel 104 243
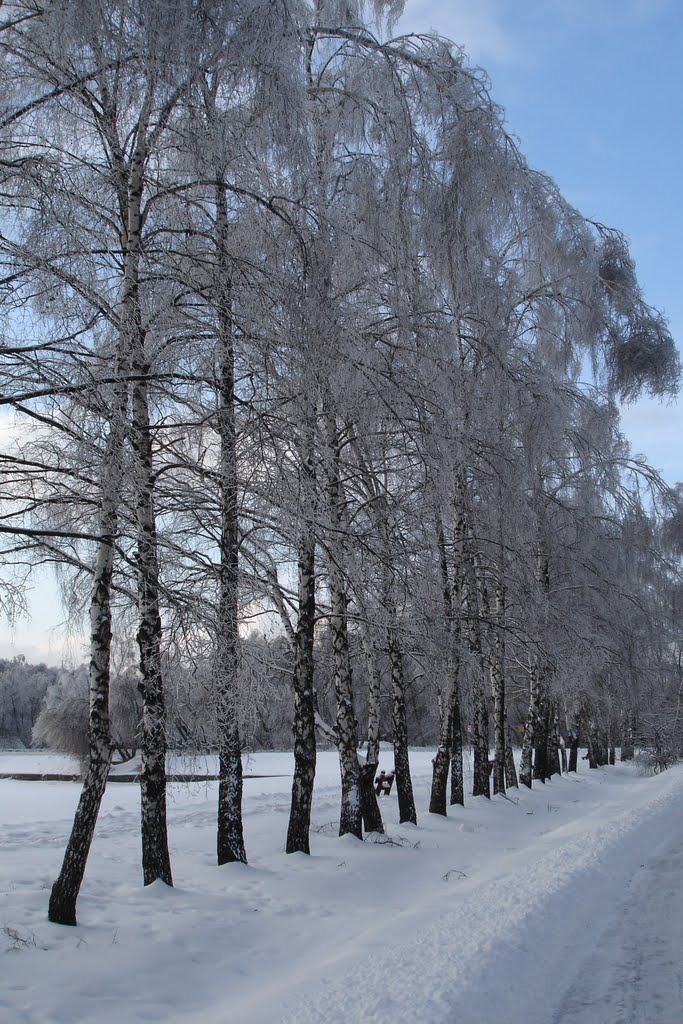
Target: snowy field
pixel 563 905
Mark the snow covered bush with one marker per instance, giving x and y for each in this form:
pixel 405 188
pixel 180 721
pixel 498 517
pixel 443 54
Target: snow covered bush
pixel 62 724
pixel 663 750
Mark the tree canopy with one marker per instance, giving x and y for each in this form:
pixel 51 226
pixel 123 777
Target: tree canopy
pixel 290 328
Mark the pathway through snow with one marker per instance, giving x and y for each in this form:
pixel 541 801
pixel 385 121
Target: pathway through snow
pixel 584 928
pixel 563 905
pixel 634 975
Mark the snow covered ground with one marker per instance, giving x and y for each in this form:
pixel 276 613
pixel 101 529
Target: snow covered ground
pixel 559 906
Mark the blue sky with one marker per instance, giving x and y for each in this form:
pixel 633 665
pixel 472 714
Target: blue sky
pixel 593 90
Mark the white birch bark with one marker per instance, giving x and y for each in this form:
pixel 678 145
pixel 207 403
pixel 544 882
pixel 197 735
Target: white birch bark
pixel 65 890
pixel 404 785
pixel 497 673
pixel 155 855
pixel 372 816
pixel 230 837
pixel 346 723
pixel 304 695
pixel 510 769
pixel 530 724
pixel 381 514
pixel 440 763
pixel 475 606
pixel 156 863
pixel 374 692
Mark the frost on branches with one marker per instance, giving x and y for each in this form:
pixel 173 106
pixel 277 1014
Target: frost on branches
pixel 292 337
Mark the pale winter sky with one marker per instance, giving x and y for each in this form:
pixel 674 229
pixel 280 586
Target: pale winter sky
pixel 594 93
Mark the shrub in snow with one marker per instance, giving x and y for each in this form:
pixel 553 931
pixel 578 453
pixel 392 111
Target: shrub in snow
pixel 663 751
pixel 62 725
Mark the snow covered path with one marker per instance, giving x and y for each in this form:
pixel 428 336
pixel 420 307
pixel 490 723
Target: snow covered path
pixel 634 974
pixel 563 905
pixel 584 928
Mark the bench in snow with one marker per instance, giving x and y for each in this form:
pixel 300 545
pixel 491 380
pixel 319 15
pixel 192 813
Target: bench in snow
pixel 384 782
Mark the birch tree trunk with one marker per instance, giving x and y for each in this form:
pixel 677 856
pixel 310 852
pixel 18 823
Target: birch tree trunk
pixel 597 747
pixel 304 702
pixel 530 725
pixel 155 855
pixel 510 770
pixel 554 766
pixel 628 736
pixel 573 751
pixel 457 794
pixel 229 837
pixel 476 607
pixel 372 816
pixel 440 763
pixel 404 785
pixel 457 773
pixel 481 780
pixel 541 734
pixel 64 894
pixel 382 515
pixel 156 862
pixel 498 692
pixel 305 751
pixel 351 819
pixel 374 694
pixel 449 751
pixel 448 696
